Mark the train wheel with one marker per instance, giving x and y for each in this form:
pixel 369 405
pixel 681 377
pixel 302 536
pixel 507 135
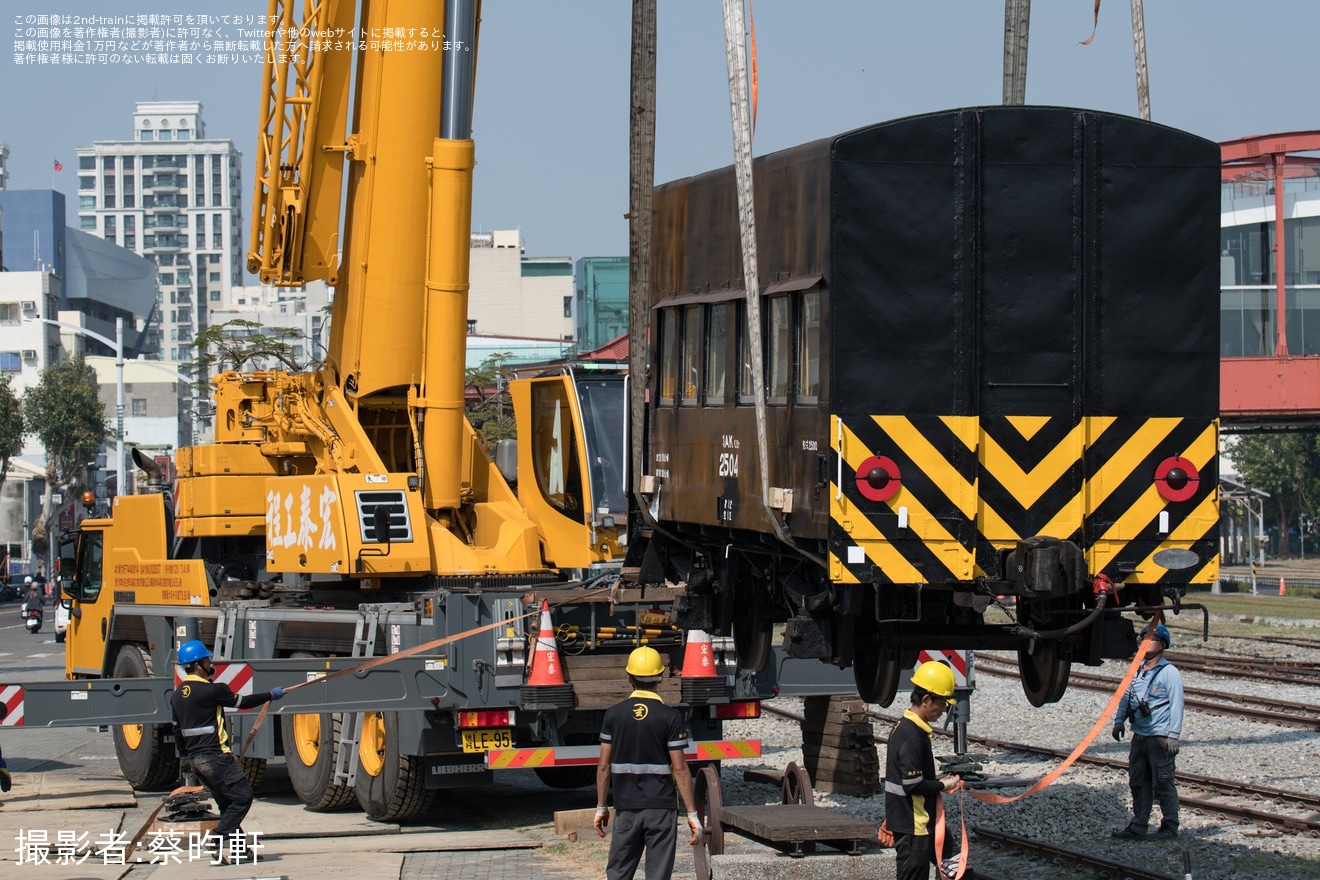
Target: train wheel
pixel 391 786
pixel 753 636
pixel 876 666
pixel 1044 672
pixel 147 760
pixel 709 804
pixel 797 785
pixel 311 746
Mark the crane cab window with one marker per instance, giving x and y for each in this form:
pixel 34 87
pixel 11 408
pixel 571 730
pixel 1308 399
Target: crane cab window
pixel 691 355
pixel 780 345
pixel 668 356
pixel 717 345
pixel 555 450
pixel 86 585
pixel 808 381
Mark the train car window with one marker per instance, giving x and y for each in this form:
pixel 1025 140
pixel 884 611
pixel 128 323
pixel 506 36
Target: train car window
pixel 780 354
pixel 717 347
pixel 555 450
pixel 745 386
pixel 691 354
pixel 668 356
pixel 808 380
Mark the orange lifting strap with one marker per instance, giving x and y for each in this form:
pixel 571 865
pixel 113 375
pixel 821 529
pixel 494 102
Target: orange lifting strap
pixel 1048 779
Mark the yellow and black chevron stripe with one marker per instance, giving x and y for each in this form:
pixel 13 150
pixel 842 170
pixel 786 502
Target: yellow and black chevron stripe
pixel 972 486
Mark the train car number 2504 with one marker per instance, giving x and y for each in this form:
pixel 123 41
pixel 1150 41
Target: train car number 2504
pixel 483 740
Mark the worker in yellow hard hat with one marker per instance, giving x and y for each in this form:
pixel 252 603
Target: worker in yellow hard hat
pixel 911 785
pixel 641 749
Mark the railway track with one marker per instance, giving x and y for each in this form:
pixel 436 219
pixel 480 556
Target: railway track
pixel 1252 708
pixel 1106 867
pixel 1270 819
pixel 1257 669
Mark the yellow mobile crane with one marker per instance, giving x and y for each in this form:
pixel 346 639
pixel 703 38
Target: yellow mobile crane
pixel 353 510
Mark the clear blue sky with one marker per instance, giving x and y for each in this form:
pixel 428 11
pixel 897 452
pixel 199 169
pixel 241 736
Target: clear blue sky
pixel 551 120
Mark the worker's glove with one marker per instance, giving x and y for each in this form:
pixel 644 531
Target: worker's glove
pixel 1170 745
pixel 602 820
pixel 277 693
pixel 6 781
pixel 186 767
pixel 694 823
pixel 1119 731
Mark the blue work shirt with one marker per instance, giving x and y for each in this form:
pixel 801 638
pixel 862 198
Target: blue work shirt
pixel 1162 689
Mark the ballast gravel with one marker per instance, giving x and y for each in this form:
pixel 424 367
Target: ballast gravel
pixel 1085 804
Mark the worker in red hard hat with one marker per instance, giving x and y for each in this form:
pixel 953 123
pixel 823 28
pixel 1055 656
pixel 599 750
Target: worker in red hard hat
pixel 912 787
pixel 1154 703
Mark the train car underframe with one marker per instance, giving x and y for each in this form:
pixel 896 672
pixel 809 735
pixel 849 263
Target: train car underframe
pixel 1055 615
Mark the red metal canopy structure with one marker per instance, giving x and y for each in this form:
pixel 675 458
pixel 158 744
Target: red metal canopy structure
pixel 1280 388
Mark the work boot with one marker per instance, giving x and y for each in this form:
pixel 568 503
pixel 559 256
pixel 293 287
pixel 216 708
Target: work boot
pixel 1166 832
pixel 1128 833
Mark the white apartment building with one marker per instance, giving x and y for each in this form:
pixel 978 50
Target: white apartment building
pixel 172 195
pixel 510 295
pixel 4 164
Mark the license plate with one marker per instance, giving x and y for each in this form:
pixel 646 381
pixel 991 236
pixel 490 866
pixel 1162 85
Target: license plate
pixel 484 740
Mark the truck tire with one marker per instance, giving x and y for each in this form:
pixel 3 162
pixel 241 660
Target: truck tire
pixel 311 745
pixel 391 787
pixel 254 769
pixel 311 742
pixel 147 759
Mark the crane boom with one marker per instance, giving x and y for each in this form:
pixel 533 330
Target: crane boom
pixel 301 146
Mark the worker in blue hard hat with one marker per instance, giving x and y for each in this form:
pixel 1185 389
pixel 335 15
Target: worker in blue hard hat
pixel 198 706
pixel 1154 704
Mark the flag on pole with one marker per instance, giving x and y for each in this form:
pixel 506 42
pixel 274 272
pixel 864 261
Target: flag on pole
pixel 58 166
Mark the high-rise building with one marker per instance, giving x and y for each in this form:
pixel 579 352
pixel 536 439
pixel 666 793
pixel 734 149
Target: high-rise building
pixel 172 195
pixel 4 164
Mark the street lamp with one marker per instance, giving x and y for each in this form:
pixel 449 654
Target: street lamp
pixel 118 345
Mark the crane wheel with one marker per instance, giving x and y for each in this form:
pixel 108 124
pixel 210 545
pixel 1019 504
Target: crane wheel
pixel 391 786
pixel 146 758
pixel 311 745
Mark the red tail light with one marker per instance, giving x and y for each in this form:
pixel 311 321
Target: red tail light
pixel 878 478
pixel 738 709
pixel 486 718
pixel 1176 479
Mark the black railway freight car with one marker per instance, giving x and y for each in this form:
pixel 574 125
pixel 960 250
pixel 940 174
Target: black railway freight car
pixel 990 343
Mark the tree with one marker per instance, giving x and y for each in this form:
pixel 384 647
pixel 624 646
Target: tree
pixel 242 344
pixel 1285 465
pixel 67 417
pixel 488 406
pixel 11 426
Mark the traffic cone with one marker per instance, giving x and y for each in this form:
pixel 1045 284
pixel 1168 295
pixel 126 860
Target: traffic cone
pixel 700 682
pixel 545 687
pixel 1281 586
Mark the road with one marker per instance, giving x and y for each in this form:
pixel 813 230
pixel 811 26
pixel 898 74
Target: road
pixel 474 837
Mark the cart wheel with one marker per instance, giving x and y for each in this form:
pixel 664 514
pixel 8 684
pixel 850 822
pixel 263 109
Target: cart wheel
pixel 797 785
pixel 707 792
